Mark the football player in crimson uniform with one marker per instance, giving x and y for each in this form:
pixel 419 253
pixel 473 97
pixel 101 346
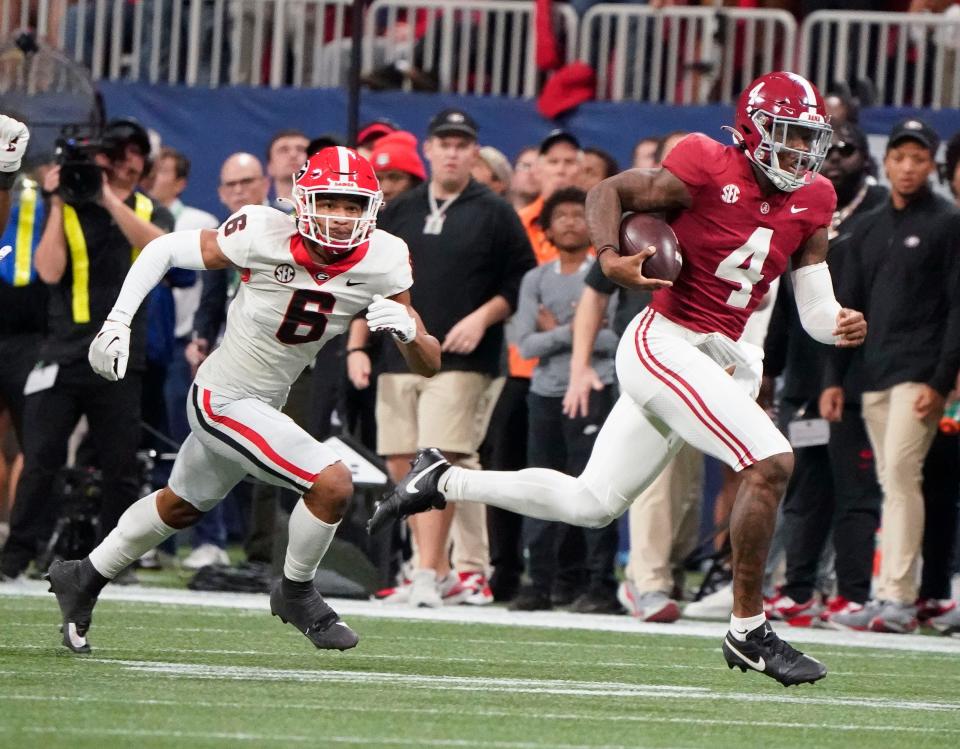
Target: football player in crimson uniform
pixel 742 213
pixel 304 278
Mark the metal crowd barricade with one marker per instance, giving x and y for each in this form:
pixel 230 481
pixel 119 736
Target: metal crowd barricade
pixel 911 58
pixel 683 55
pixel 471 47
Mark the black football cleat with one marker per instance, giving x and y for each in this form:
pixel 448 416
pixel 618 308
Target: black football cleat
pixel 312 616
pixel 416 492
pixel 68 582
pixel 763 651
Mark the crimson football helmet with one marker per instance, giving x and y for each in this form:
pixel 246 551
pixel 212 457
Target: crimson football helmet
pixel 334 172
pixel 775 115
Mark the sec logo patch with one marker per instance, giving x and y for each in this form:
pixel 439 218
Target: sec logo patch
pixel 284 273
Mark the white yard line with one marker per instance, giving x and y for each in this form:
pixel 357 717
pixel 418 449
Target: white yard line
pixel 328 707
pixel 497 615
pixel 506 685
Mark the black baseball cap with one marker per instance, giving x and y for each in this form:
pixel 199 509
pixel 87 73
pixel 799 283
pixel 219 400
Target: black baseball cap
pixel 452 122
pixel 558 136
pixel 914 129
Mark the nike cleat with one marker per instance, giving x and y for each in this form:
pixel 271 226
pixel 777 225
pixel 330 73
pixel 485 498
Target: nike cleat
pixel 763 651
pixel 76 602
pixel 312 616
pixel 416 492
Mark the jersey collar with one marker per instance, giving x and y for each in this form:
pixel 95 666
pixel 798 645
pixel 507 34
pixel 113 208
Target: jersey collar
pixel 323 273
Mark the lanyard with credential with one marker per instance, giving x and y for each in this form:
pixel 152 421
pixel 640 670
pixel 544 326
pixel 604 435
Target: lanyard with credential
pixel 434 222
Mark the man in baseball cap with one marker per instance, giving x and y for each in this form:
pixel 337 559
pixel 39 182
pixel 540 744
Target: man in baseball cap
pixel 452 122
pixel 915 130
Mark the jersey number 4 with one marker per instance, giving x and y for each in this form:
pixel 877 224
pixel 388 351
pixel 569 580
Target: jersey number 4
pixel 306 317
pixel 744 266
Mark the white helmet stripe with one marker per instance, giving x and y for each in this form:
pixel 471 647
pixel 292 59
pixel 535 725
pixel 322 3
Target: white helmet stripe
pixel 808 91
pixel 344 156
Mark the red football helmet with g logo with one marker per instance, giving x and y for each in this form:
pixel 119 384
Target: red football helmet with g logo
pixel 336 172
pixel 781 124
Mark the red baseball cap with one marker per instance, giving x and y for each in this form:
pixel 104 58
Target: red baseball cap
pixel 373 131
pixel 398 151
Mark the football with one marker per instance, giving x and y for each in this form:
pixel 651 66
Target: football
pixel 640 230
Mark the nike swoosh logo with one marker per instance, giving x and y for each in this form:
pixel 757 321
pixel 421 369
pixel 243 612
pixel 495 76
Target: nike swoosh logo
pixel 759 665
pixel 412 486
pixel 354 283
pixel 794 209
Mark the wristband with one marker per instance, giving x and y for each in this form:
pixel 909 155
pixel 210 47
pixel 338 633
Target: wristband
pixel 606 247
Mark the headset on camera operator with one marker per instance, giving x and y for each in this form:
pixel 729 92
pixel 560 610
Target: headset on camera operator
pixel 96 224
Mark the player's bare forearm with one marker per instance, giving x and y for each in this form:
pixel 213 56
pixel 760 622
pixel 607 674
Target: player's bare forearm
pixel 640 190
pixel 213 257
pixel 422 354
pixel 50 258
pixel 813 251
pixel 358 335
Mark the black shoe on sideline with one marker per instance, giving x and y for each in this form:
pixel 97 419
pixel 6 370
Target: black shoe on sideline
pixel 531 599
pixel 416 492
pixel 763 651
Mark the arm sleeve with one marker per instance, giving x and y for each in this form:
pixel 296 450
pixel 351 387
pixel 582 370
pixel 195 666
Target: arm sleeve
pixel 945 374
pixel 816 303
pixel 180 249
pixel 599 282
pixel 515 252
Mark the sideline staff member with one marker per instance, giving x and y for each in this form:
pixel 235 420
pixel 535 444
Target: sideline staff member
pixel 84 254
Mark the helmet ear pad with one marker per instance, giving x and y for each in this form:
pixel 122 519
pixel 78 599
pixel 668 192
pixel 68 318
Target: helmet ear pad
pixel 336 171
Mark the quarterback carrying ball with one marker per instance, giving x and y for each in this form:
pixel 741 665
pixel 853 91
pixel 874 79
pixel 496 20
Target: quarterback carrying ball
pixel 742 214
pixel 302 281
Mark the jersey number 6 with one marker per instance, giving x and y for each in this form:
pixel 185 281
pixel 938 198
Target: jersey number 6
pixel 306 317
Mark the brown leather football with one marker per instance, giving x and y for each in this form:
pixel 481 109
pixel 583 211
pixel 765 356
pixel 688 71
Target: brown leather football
pixel 638 231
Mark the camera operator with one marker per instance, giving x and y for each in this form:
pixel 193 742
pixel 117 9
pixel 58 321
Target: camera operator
pixel 93 233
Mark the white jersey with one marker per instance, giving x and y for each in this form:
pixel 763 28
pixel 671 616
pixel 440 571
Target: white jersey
pixel 287 306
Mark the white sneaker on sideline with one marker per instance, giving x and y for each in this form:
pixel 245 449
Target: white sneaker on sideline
pixel 204 556
pixel 424 590
pixel 717 605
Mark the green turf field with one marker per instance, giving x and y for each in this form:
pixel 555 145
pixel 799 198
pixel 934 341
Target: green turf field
pixel 186 676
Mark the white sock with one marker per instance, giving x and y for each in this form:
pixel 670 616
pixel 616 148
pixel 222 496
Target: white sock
pixel 536 492
pixel 740 628
pixel 309 540
pixel 138 530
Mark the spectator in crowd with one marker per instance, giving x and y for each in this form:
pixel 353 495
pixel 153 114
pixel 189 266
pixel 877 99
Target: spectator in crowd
pixel 493 170
pixel 542 326
pixel 902 266
pixel 323 141
pixel 597 166
pixel 397 163
pixel 833 487
pixel 644 152
pixel 525 184
pixel 285 155
pixel 87 247
pixel 951 172
pixel 371 132
pixel 172 173
pixel 463 238
pixel 23 296
pixel 559 165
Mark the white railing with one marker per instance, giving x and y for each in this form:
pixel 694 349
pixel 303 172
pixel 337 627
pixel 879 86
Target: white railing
pixel 470 47
pixel 910 58
pixel 683 55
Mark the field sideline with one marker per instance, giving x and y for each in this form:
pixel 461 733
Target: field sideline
pixel 171 667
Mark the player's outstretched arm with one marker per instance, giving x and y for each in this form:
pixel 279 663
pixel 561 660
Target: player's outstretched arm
pixel 197 249
pixel 820 313
pixel 396 316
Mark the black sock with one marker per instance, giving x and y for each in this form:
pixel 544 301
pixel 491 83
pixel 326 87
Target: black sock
pixel 296 588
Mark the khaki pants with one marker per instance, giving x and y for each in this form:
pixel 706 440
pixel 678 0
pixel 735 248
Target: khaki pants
pixel 900 443
pixel 663 522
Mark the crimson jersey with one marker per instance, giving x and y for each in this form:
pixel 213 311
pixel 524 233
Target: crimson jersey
pixel 734 239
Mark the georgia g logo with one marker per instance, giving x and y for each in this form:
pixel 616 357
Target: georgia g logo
pixel 284 273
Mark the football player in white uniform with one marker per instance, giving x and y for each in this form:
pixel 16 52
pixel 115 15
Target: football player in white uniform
pixel 304 278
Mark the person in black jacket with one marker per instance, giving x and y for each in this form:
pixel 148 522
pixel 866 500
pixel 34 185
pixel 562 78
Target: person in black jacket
pixel 833 477
pixel 469 253
pixel 903 270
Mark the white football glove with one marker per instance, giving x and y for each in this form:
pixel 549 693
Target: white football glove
pixel 386 314
pixel 14 137
pixel 110 350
